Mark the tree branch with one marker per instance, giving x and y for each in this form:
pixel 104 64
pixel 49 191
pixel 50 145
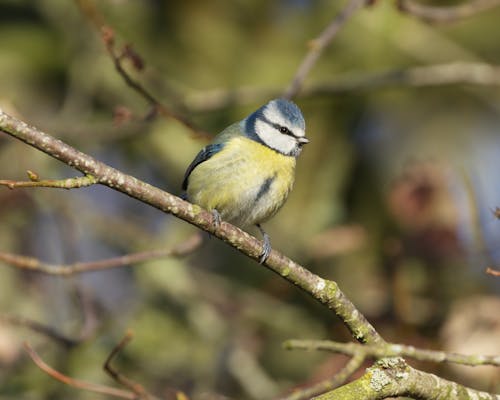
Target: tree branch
pixel 318 45
pixel 432 75
pixel 135 387
pixel 493 272
pixel 449 14
pixel 393 377
pixel 325 291
pixel 40 328
pixel 70 183
pixel 76 383
pixel 496 212
pixel 126 52
pixel 455 73
pixel 328 384
pixel 392 350
pixel 33 264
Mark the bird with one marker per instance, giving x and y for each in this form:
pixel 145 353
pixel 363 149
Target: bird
pixel 246 173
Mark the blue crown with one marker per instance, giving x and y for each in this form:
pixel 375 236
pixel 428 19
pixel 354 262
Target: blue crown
pixel 290 111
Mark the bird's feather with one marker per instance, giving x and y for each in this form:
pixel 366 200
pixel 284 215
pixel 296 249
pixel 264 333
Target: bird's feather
pixel 202 156
pixel 247 182
pixel 207 152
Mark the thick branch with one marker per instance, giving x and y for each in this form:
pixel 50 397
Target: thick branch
pixel 327 292
pixel 393 377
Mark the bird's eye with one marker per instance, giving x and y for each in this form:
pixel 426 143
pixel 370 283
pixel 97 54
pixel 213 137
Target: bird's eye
pixel 284 130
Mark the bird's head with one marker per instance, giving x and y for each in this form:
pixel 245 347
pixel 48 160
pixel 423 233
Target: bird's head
pixel 279 125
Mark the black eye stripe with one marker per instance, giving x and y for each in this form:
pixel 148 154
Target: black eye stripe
pixel 282 129
pixel 285 130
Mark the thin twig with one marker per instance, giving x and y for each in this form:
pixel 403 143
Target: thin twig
pixel 318 45
pixel 455 73
pixel 491 271
pixel 432 75
pixel 126 52
pixel 34 264
pixel 157 107
pixel 434 14
pixel 89 10
pixel 76 383
pixel 135 387
pixel 328 384
pixel 392 350
pixel 496 212
pixel 40 328
pixel 70 183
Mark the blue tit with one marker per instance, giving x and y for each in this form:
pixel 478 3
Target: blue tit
pixel 246 174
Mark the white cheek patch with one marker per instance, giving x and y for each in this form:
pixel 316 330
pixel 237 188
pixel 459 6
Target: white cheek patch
pixel 271 137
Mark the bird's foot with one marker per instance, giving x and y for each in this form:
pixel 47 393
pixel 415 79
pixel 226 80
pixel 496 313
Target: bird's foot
pixel 216 219
pixel 266 247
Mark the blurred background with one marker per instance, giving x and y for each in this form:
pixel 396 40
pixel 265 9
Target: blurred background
pixel 394 197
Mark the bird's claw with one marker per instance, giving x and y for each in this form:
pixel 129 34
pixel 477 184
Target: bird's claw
pixel 266 246
pixel 216 219
pixel 265 251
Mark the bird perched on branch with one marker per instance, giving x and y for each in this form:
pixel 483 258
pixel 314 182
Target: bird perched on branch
pixel 245 175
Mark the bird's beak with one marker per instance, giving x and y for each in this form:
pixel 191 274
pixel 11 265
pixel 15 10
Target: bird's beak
pixel 303 140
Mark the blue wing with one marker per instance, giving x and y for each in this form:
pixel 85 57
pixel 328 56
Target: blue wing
pixel 202 156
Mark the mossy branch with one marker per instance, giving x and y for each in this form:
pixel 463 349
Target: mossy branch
pixel 393 378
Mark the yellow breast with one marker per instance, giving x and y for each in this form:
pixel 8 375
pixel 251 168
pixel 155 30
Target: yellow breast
pixel 246 182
